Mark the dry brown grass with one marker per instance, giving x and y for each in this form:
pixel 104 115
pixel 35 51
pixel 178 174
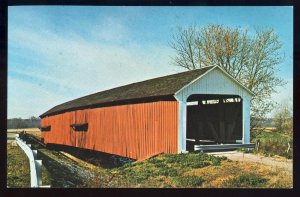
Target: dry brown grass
pixel 280 179
pixel 26 129
pixel 219 176
pixel 267 129
pixel 33 131
pixel 18 169
pixel 79 161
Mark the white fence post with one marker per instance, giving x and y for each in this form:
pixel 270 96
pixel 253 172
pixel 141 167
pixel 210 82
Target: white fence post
pixel 38 165
pixel 34 154
pixel 35 165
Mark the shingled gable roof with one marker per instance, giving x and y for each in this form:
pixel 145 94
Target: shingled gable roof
pixel 157 87
pixel 165 86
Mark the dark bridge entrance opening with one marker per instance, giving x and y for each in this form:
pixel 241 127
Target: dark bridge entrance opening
pixel 213 120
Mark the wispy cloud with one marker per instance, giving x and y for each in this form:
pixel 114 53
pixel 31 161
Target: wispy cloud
pixel 26 99
pixel 71 59
pixel 78 64
pixel 56 53
pixel 110 29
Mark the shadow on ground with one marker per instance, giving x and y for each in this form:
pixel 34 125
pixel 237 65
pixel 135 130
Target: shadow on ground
pixel 61 174
pixel 104 160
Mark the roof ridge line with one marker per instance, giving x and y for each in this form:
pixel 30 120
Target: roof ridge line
pixel 163 85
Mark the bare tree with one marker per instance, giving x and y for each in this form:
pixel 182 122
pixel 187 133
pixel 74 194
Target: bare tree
pixel 283 118
pixel 252 59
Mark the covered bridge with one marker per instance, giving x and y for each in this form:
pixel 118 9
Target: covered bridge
pixel 169 114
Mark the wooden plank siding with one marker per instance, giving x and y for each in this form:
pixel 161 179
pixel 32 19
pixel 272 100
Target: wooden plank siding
pixel 135 130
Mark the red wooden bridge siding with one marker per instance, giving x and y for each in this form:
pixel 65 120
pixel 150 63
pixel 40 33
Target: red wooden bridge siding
pixel 135 131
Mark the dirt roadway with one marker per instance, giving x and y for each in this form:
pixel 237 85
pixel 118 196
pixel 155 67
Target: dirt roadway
pixel 286 164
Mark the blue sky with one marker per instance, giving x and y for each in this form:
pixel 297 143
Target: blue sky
pixel 59 53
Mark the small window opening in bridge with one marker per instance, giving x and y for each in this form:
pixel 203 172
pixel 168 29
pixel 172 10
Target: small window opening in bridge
pixel 46 128
pixel 80 127
pixel 215 101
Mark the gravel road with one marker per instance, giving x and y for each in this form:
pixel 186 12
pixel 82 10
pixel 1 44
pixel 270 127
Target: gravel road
pixel 286 164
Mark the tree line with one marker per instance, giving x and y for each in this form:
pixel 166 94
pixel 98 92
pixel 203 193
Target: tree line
pixel 19 123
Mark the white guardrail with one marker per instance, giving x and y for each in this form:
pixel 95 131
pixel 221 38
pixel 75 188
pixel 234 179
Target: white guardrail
pixel 35 165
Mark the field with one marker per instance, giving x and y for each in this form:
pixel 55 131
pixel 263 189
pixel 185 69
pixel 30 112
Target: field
pixel 33 131
pixel 273 143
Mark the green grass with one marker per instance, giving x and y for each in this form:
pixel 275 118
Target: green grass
pixel 18 169
pixel 45 176
pixel 247 181
pixel 197 170
pixel 168 170
pixel 188 181
pixel 273 143
pixel 193 160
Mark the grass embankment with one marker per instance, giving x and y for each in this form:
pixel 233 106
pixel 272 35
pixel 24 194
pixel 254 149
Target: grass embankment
pixel 167 170
pixel 200 170
pixel 196 170
pixel 273 143
pixel 183 170
pixel 18 168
